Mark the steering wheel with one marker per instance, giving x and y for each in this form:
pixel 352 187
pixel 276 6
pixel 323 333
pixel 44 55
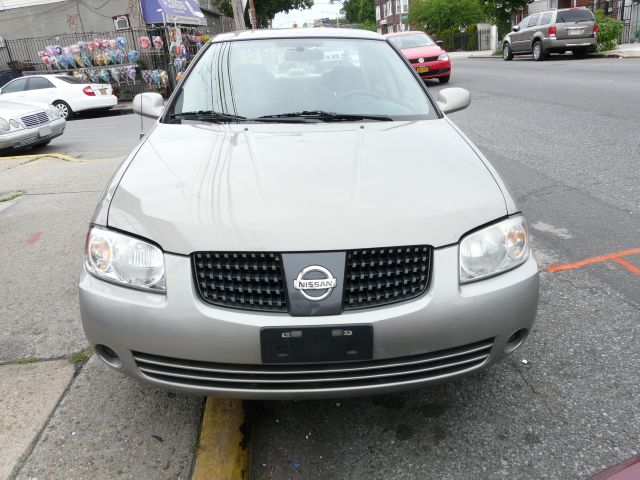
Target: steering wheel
pixel 353 93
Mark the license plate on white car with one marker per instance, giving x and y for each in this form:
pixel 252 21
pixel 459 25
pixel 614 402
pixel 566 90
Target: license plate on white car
pixel 44 131
pixel 103 92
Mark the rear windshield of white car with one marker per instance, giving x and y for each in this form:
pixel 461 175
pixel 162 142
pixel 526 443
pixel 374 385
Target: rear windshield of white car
pixel 255 78
pixel 72 80
pixel 574 15
pixel 413 40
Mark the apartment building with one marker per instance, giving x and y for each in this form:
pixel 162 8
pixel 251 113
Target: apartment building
pixel 392 15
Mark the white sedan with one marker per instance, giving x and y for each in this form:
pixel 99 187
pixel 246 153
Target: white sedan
pixel 24 125
pixel 68 94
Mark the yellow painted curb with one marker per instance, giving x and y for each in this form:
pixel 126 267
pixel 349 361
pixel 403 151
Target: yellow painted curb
pixel 224 447
pixel 59 156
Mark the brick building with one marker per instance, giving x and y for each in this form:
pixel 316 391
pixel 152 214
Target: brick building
pixel 391 15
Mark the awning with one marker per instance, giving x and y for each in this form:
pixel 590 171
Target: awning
pixel 181 12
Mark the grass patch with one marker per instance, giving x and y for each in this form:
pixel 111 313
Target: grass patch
pixel 80 357
pixel 11 197
pixel 25 361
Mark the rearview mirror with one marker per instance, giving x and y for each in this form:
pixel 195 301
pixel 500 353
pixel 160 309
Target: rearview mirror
pixel 515 29
pixel 453 99
pixel 439 43
pixel 148 104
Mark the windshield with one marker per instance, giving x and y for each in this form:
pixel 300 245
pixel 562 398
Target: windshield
pixel 68 79
pixel 413 40
pixel 258 78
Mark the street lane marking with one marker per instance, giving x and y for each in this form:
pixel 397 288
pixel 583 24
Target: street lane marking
pixel 616 257
pixel 59 156
pixel 224 446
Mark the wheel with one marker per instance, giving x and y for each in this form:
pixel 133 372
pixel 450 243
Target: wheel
pixel 507 54
pixel 538 51
pixel 444 79
pixel 64 109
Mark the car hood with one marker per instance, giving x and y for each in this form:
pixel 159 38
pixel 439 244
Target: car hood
pixel 426 52
pixel 12 109
pixel 304 187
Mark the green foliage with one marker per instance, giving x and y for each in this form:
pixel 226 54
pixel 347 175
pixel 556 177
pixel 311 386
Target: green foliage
pixel 368 25
pixel 224 6
pixel 81 357
pixel 441 15
pixel 501 11
pixel 359 11
pixel 267 9
pixel 25 361
pixel 609 31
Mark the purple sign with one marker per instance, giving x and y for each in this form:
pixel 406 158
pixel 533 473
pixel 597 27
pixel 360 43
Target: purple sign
pixel 181 12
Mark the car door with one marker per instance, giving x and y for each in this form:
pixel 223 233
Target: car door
pixel 527 37
pixel 517 43
pixel 14 90
pixel 40 89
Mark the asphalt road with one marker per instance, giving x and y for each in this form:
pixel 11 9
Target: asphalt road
pixel 564 136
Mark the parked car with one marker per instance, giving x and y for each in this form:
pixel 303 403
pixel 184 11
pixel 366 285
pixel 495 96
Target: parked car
pixel 68 94
pixel 427 57
pixel 24 125
pixel 6 76
pixel 307 235
pixel 553 31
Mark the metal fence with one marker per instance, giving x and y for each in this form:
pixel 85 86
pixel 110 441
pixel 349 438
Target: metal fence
pixel 629 14
pixel 152 68
pixel 466 41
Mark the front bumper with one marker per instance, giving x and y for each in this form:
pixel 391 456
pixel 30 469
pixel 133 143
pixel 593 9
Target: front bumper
pixel 186 345
pixel 440 68
pixel 30 136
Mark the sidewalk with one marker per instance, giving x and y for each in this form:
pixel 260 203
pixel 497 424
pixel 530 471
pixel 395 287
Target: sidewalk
pixel 625 50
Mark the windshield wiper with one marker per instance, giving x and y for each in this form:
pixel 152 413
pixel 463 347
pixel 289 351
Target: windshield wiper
pixel 208 116
pixel 322 116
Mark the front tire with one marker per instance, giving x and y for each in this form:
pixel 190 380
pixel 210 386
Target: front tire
pixel 507 54
pixel 444 79
pixel 63 109
pixel 538 51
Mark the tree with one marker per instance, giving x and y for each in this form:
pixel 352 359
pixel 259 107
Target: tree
pixel 265 9
pixel 500 12
pixel 359 11
pixel 439 15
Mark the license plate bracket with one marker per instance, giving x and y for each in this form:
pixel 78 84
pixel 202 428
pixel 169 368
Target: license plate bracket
pixel 44 131
pixel 316 344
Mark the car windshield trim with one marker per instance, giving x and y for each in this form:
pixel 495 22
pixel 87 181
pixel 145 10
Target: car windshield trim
pixel 208 116
pixel 323 116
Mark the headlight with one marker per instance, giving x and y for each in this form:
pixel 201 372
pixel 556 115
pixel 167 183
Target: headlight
pixel 125 260
pixel 494 249
pixel 444 56
pixel 53 113
pixel 4 125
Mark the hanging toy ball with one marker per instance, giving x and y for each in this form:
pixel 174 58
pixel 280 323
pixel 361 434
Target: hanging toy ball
pixel 144 43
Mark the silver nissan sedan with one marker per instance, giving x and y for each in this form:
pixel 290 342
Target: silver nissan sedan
pixel 304 221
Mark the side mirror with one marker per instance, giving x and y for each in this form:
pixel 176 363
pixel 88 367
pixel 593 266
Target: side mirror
pixel 515 29
pixel 453 99
pixel 439 43
pixel 149 104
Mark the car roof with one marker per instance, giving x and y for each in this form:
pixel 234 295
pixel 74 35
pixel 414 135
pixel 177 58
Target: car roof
pixel 406 32
pixel 297 33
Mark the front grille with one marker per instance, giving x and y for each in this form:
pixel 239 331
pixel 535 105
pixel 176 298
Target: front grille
pixel 380 276
pixel 314 377
pixel 426 59
pixel 35 119
pixel 251 281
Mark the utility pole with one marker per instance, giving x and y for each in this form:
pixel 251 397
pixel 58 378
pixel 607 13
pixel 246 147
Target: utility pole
pixel 238 14
pixel 252 15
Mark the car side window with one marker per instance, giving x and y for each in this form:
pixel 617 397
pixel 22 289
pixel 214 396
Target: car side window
pixel 546 18
pixel 15 86
pixel 534 21
pixel 37 83
pixel 523 23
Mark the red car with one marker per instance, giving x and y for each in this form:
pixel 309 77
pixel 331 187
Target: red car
pixel 426 56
